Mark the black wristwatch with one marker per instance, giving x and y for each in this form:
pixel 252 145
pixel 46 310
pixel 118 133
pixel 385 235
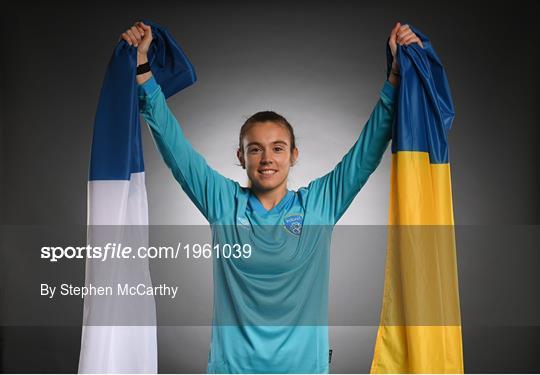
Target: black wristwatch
pixel 143 68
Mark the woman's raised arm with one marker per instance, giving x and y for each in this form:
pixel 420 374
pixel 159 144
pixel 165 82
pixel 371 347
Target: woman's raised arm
pixel 212 193
pixel 332 193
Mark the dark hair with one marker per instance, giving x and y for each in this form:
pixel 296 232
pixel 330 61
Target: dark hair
pixel 264 116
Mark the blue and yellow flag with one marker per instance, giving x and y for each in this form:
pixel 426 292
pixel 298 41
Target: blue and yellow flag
pixel 420 327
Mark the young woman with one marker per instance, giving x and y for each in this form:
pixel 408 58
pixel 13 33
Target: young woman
pixel 271 302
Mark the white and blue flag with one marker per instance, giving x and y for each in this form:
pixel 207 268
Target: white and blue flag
pixel 119 332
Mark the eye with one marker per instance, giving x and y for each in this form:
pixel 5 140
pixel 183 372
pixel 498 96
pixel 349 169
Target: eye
pixel 279 149
pixel 253 150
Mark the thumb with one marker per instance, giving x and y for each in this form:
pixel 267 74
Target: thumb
pixel 146 29
pixel 394 32
pixel 144 26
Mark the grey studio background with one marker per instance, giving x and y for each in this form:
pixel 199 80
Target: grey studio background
pixel 320 64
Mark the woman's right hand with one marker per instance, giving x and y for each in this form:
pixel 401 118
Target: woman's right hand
pixel 140 36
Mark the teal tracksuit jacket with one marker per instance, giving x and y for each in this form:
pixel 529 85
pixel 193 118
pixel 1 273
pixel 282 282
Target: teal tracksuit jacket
pixel 270 312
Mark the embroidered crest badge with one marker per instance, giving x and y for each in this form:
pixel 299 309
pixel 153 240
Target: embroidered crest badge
pixel 293 224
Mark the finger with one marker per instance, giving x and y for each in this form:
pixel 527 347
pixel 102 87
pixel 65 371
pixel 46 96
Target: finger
pixel 402 33
pixel 126 38
pixel 404 28
pixel 394 31
pixel 401 36
pixel 416 40
pixel 410 39
pixel 139 28
pixel 145 27
pixel 392 39
pixel 136 33
pixel 147 30
pixel 133 39
pixel 141 31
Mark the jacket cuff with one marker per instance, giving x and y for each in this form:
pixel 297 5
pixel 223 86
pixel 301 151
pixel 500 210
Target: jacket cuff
pixel 148 88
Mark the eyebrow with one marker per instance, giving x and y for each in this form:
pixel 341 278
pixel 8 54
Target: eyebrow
pixel 258 144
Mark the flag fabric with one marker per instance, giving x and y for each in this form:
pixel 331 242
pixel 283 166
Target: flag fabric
pixel 420 322
pixel 119 333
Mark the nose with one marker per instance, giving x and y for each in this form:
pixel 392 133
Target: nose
pixel 265 159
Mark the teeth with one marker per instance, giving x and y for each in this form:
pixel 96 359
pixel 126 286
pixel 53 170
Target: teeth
pixel 268 172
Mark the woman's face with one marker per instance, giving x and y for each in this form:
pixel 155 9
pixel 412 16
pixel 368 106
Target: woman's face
pixel 267 155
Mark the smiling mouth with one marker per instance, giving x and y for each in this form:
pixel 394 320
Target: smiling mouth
pixel 268 172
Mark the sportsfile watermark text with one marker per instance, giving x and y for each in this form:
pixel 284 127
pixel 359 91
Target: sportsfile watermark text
pixel 119 251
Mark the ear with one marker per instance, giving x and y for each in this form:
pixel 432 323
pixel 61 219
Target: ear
pixel 240 156
pixel 294 156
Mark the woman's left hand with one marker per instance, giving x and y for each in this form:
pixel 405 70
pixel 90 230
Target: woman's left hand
pixel 403 35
